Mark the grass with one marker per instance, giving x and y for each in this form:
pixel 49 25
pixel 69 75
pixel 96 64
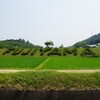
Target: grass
pixel 54 63
pixel 49 81
pixel 72 63
pixel 20 62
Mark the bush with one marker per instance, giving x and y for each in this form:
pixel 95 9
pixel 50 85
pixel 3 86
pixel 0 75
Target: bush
pixel 26 52
pixel 88 52
pixel 34 51
pixel 8 51
pixel 17 51
pixel 43 50
pixel 70 51
pixel 54 51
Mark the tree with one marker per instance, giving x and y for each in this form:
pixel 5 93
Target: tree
pixel 49 43
pixel 61 46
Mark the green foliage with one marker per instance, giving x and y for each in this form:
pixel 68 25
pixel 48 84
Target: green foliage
pixel 70 51
pixel 49 43
pixel 44 50
pixel 95 39
pixel 53 63
pixel 72 63
pixel 54 51
pixel 88 52
pixel 20 62
pixel 8 51
pixel 34 51
pixel 61 46
pixel 50 81
pixel 18 43
pixel 26 52
pixel 17 51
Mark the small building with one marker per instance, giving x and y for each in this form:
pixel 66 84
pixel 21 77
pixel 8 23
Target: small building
pixel 93 46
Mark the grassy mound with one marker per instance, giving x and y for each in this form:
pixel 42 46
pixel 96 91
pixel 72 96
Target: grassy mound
pixel 49 81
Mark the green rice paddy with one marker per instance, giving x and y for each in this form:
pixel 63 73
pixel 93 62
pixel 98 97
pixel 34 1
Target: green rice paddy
pixel 72 63
pixel 20 62
pixel 53 63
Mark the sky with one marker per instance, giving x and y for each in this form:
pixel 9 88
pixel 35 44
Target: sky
pixel 61 21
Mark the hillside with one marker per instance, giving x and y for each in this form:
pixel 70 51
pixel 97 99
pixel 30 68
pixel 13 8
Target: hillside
pixel 95 39
pixel 16 43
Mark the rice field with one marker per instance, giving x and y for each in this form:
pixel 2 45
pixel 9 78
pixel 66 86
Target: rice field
pixel 20 62
pixel 72 63
pixel 54 63
pixel 68 62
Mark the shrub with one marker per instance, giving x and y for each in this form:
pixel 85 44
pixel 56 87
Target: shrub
pixel 17 51
pixel 26 52
pixel 70 51
pixel 54 51
pixel 8 51
pixel 43 50
pixel 88 52
pixel 34 51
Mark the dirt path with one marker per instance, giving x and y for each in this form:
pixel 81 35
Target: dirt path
pixel 78 71
pixel 60 71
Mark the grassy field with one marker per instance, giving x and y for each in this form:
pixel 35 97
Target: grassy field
pixel 20 62
pixel 72 63
pixel 54 63
pixel 49 81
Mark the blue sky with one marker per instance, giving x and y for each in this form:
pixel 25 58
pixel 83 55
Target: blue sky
pixel 61 21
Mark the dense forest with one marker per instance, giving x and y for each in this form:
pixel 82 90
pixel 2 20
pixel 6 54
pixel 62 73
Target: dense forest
pixel 95 39
pixel 11 43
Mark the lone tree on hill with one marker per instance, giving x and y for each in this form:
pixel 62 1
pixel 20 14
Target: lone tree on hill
pixel 49 44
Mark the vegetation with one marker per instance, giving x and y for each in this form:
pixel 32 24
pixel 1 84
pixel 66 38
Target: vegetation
pixel 51 51
pixel 20 62
pixel 49 43
pixel 44 50
pixel 26 52
pixel 34 51
pixel 55 51
pixel 88 52
pixel 45 75
pixel 61 46
pixel 53 63
pixel 49 81
pixel 17 51
pixel 95 39
pixel 72 63
pixel 18 43
pixel 70 51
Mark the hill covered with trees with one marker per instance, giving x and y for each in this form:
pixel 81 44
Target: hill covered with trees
pixel 17 43
pixel 95 39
